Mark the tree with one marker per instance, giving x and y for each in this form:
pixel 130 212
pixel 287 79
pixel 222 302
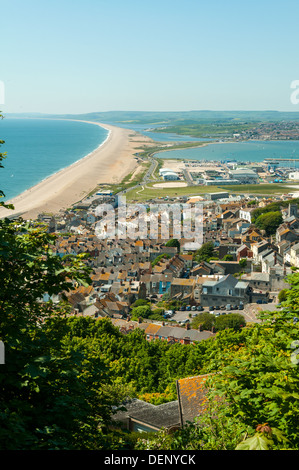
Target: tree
pixel 243 262
pixel 205 252
pixel 173 242
pixel 228 257
pixel 51 394
pixel 283 295
pixel 204 320
pixel 269 222
pixel 140 302
pixel 232 320
pixel 143 311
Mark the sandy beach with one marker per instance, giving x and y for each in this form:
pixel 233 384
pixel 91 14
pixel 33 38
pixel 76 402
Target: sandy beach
pixel 109 163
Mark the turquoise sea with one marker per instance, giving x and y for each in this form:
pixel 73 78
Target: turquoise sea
pixel 249 151
pixel 38 148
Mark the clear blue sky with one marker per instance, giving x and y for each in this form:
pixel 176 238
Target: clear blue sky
pixel 75 56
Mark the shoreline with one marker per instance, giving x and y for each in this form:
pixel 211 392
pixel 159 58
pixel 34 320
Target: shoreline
pixel 109 163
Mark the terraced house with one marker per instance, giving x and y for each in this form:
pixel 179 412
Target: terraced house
pixel 227 290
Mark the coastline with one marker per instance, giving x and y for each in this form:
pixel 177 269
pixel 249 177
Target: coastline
pixel 109 163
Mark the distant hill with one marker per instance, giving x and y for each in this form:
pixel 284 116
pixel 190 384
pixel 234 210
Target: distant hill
pixel 171 117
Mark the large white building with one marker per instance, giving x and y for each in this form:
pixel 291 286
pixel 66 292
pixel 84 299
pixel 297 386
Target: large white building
pixel 168 174
pixel 244 175
pixel 294 175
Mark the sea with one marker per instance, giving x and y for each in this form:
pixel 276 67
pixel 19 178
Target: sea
pixel 38 148
pixel 247 151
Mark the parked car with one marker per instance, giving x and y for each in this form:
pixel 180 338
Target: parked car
pixel 199 308
pixel 188 308
pixel 182 308
pixel 241 307
pixel 211 308
pixel 222 307
pixel 228 307
pixel 193 307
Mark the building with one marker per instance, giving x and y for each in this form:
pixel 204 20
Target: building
pixel 246 214
pixel 220 181
pixel 141 416
pixel 294 175
pixel 214 196
pixel 227 290
pixel 170 176
pixel 244 176
pixel 138 415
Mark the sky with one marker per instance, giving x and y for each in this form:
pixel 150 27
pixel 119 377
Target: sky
pixel 80 56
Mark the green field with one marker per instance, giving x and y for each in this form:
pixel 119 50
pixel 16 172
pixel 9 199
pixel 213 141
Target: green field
pixel 263 189
pixel 149 192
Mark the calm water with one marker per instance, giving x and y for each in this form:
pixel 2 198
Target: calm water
pixel 159 136
pixel 37 148
pixel 252 151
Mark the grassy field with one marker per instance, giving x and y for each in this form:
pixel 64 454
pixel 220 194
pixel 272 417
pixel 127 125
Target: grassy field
pixel 144 193
pixel 263 189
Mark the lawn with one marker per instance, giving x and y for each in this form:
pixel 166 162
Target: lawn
pixel 147 192
pixel 144 193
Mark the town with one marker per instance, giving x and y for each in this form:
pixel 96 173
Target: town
pixel 163 285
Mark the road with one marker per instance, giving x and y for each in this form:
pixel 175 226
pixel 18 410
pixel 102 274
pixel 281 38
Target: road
pixel 250 312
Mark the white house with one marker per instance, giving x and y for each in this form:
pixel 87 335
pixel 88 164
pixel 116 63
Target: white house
pixel 294 255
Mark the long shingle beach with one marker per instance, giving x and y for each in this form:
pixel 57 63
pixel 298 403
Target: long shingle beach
pixel 109 163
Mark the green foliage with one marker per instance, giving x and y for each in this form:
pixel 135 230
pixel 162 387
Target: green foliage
pixel 159 258
pixel 243 262
pixel 141 312
pixel 173 242
pixel 204 320
pixel 228 257
pixel 50 384
pixel 205 252
pixel 265 438
pixel 269 222
pixel 283 295
pixel 140 302
pixel 235 321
